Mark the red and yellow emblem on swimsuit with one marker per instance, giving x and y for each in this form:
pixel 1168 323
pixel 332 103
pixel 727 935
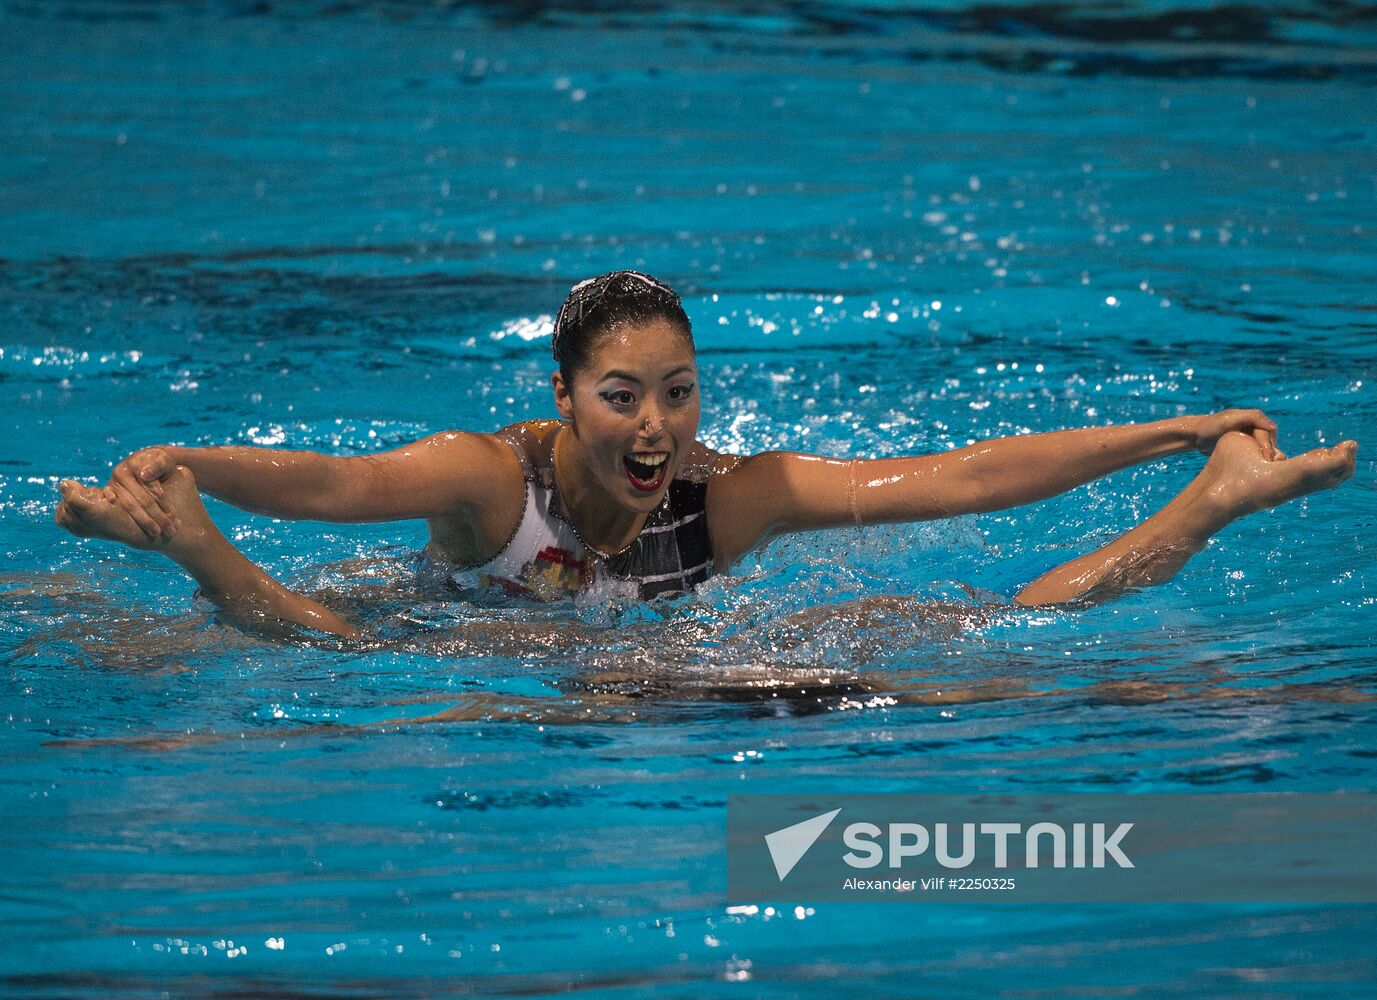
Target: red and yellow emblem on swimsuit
pixel 556 572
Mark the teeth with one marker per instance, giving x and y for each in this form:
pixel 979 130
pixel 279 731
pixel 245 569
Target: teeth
pixel 645 459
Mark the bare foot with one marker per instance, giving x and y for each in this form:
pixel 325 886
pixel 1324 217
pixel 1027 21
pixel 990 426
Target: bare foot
pixel 1244 479
pixel 91 512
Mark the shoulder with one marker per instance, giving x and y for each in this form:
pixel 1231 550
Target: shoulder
pixel 752 499
pixel 530 430
pixel 738 501
pixel 525 438
pixel 529 442
pixel 473 450
pixel 743 484
pixel 702 464
pixel 462 469
pixel 731 473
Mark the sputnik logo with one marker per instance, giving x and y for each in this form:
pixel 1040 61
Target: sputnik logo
pixel 789 845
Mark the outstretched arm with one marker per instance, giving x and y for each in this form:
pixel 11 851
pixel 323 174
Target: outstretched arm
pixel 443 474
pixel 779 492
pixel 247 596
pixel 1012 471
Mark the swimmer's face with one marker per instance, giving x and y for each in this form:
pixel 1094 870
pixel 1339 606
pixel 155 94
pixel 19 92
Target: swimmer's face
pixel 634 411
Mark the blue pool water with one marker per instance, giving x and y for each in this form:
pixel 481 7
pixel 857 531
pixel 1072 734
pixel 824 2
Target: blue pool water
pixel 342 226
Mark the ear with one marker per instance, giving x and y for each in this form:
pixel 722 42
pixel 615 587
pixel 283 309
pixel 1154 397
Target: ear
pixel 564 401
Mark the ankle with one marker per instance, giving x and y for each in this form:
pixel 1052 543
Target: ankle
pixel 1213 502
pixel 196 544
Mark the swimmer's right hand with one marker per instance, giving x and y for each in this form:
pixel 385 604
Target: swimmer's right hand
pixel 136 488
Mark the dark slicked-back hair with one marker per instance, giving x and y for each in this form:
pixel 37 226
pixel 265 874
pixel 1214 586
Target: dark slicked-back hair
pixel 606 303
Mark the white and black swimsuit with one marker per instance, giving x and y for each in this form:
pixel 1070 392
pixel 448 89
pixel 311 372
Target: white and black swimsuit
pixel 546 560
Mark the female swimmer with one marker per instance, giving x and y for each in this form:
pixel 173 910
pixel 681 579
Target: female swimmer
pixel 619 496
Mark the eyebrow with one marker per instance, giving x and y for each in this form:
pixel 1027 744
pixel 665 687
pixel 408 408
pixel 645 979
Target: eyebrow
pixel 628 377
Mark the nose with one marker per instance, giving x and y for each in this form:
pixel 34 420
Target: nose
pixel 652 423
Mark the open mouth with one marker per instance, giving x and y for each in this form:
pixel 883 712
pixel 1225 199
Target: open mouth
pixel 646 470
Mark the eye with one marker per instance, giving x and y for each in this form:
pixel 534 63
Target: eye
pixel 619 397
pixel 679 393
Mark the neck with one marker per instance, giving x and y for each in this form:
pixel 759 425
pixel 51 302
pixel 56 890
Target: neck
pixel 598 519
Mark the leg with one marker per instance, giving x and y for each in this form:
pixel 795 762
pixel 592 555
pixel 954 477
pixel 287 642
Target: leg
pixel 1237 480
pixel 247 596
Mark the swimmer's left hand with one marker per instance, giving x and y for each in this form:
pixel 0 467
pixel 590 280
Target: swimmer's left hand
pixel 136 485
pixel 1211 427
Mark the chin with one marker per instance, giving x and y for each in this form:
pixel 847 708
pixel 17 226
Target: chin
pixel 644 503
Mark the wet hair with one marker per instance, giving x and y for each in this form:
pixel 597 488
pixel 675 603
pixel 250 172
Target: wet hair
pixel 606 303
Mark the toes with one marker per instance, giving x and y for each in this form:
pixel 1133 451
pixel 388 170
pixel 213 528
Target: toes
pixel 1330 466
pixel 68 519
pixel 1344 451
pixel 1348 454
pixel 76 496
